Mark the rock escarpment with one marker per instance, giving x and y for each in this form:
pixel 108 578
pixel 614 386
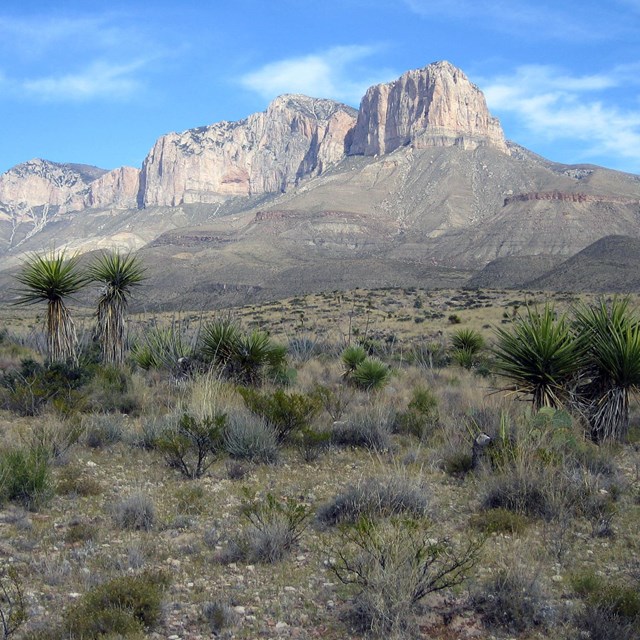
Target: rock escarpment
pixel 63 188
pixel 268 152
pixel 436 106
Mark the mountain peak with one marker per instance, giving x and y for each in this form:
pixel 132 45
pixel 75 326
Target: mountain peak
pixel 436 106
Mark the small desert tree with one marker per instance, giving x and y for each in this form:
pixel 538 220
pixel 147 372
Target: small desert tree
pixel 52 278
pixel 118 274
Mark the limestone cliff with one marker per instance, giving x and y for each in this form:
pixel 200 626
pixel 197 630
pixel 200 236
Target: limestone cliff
pixel 267 152
pixel 66 187
pixel 436 106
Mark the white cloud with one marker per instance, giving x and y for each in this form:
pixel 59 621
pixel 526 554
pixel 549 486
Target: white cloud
pixel 330 74
pixel 553 106
pixel 99 80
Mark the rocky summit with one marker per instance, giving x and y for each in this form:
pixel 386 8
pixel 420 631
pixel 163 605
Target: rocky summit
pixel 417 188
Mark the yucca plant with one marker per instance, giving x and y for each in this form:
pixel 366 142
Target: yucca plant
pixel 52 278
pixel 468 340
pixel 351 357
pixel 612 333
pixel 118 274
pixel 162 348
pixel 256 354
pixel 540 356
pixel 220 340
pixel 371 374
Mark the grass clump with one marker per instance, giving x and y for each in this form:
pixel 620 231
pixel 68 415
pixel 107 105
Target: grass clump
pixel 369 428
pixel 25 477
pixel 513 602
pixel 374 498
pixel 103 430
pixel 249 437
pixel 136 512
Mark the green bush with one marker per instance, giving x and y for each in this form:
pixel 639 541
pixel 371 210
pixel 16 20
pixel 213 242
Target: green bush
pixel 246 358
pixel 34 386
pixel 468 340
pixel 125 605
pixel 25 476
pixel 192 445
pixel 286 413
pixel 617 598
pixel 421 416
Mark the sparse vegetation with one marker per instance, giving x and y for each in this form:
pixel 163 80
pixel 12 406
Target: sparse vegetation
pixel 337 511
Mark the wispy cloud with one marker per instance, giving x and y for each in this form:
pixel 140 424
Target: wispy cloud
pixel 553 105
pixel 74 59
pixel 522 17
pixel 98 80
pixel 335 73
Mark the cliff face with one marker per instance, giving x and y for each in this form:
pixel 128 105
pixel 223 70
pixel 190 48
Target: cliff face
pixel 435 106
pixel 66 187
pixel 267 152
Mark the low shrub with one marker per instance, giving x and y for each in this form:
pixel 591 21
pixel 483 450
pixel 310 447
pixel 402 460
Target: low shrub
pixel 13 610
pixel 136 512
pixel 392 566
pixel 513 602
pixel 28 390
pixel 190 499
pixel 249 437
pixel 219 615
pixel 192 445
pixel 275 525
pixel 122 606
pixel 421 416
pixel 72 481
pixel 374 497
pixel 286 413
pixel 617 598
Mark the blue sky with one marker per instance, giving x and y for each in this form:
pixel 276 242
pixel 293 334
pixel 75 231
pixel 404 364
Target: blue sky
pixel 97 82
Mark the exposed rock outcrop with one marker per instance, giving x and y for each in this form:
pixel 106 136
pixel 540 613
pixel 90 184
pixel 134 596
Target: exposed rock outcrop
pixel 66 187
pixel 568 197
pixel 268 152
pixel 436 106
pixel 38 183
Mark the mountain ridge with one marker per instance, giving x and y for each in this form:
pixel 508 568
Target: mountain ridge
pixel 308 191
